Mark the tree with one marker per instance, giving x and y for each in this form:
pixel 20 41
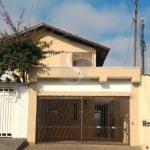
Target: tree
pixel 20 50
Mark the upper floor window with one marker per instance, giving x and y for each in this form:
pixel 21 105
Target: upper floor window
pixel 82 59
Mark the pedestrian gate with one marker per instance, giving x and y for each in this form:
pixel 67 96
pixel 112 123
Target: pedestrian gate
pixel 6 111
pixel 82 119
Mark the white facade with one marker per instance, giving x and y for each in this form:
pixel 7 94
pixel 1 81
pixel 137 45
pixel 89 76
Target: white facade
pixel 13 110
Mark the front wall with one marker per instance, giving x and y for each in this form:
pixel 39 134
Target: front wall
pixel 72 87
pixel 32 113
pixel 16 110
pixel 20 112
pixel 134 117
pixel 144 111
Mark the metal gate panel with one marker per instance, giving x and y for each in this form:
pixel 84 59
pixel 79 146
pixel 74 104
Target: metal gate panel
pixel 58 118
pixel 6 111
pixel 82 119
pixel 104 119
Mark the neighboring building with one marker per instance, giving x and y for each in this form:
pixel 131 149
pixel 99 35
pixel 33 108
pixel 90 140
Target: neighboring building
pixel 144 111
pixel 72 97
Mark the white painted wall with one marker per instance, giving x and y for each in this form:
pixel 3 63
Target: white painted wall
pixel 20 112
pixel 84 86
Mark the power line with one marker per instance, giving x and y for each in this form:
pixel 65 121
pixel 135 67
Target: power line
pixel 140 8
pixel 125 32
pixel 127 54
pixel 130 7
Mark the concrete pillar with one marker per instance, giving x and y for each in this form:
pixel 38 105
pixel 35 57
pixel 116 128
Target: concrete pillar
pixel 134 117
pixel 31 133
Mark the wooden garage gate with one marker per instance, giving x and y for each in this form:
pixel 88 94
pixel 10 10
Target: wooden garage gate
pixel 82 119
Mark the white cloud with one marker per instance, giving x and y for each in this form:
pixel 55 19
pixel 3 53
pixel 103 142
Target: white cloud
pixel 82 17
pixel 121 52
pixel 35 11
pixel 106 25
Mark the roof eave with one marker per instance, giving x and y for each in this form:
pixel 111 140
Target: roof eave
pixel 98 47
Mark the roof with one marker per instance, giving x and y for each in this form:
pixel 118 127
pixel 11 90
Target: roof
pixel 102 50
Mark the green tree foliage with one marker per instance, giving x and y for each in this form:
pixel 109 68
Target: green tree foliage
pixel 20 50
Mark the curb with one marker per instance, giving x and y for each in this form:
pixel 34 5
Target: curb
pixel 22 145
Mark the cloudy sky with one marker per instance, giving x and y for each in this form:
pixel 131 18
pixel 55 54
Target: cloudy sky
pixel 108 22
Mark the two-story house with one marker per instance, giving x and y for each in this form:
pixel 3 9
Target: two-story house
pixel 74 98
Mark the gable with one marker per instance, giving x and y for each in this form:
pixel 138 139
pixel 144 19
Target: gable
pixel 69 52
pixel 62 44
pixel 71 39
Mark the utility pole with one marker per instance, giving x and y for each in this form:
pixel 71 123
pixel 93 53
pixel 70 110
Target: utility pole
pixel 135 31
pixel 143 46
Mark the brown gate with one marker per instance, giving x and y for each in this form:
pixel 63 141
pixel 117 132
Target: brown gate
pixel 82 119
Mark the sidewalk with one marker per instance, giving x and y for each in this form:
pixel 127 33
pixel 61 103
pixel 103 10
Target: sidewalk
pixel 12 144
pixel 21 144
pixel 79 147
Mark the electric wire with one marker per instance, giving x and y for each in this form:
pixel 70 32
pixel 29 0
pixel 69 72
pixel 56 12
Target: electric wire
pixel 129 5
pixel 128 49
pixel 124 33
pixel 139 14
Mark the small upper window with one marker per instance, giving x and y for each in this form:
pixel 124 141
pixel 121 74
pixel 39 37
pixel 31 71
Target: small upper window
pixel 82 59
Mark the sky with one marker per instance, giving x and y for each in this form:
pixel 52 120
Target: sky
pixel 108 22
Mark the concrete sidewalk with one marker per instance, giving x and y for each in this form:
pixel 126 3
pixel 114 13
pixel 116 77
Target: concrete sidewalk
pixel 12 144
pixel 21 144
pixel 79 147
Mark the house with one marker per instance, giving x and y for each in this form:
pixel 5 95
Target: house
pixel 72 97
